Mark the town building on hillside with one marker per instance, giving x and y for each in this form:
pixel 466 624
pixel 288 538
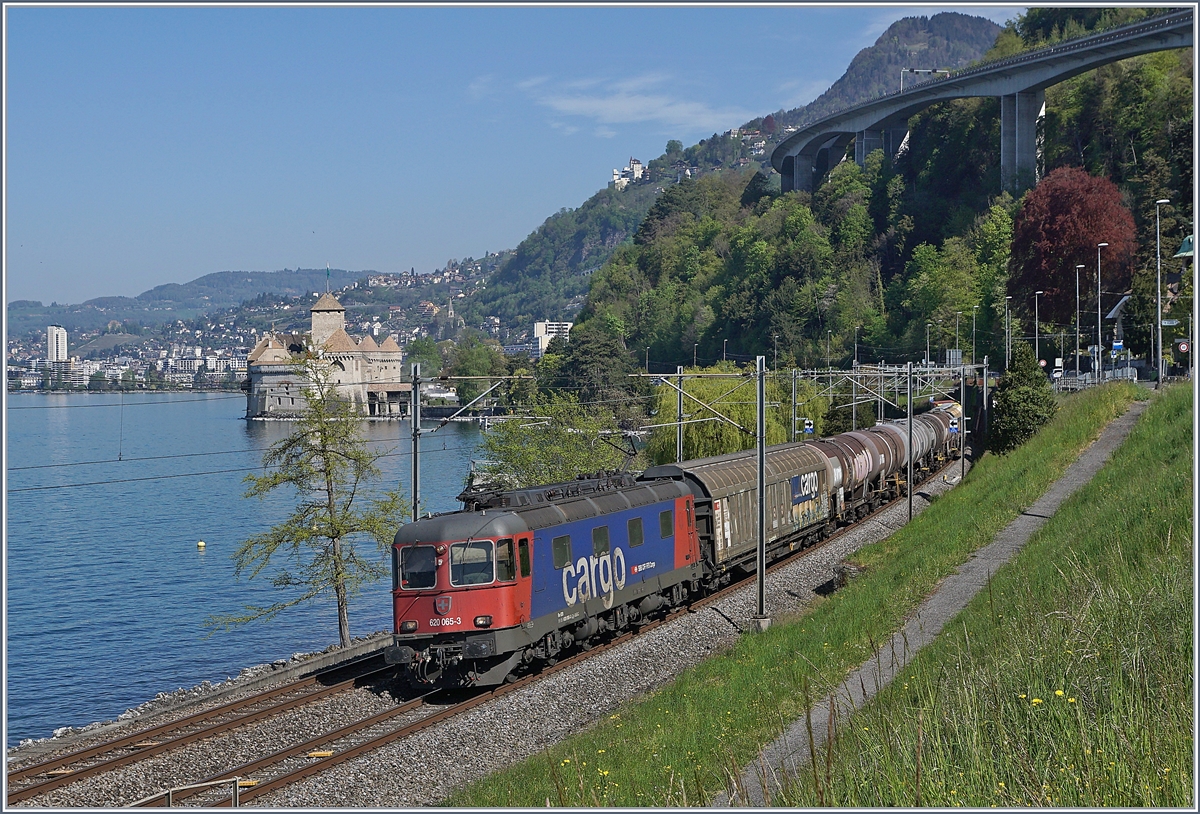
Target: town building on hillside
pixel 630 174
pixel 543 332
pixel 365 372
pixel 56 344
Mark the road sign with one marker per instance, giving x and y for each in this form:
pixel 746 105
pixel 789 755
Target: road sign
pixel 1042 362
pixel 1184 347
pixel 1170 323
pixel 1119 344
pixel 808 426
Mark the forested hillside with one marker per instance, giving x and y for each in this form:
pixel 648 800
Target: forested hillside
pixel 921 242
pixel 548 275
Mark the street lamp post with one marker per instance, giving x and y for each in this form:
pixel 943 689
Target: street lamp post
pixel 1158 252
pixel 927 325
pixel 695 347
pixel 1077 268
pixel 775 365
pixel 829 349
pixel 647 360
pixel 1007 334
pixel 1037 349
pixel 957 348
pixel 1099 317
pixel 724 349
pixel 974 323
pixel 854 385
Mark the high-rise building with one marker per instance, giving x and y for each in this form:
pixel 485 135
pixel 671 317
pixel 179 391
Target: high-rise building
pixel 56 344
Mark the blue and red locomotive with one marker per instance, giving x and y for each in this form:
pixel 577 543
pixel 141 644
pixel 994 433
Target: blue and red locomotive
pixel 517 577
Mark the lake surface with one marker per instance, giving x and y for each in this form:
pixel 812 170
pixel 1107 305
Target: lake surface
pixel 106 590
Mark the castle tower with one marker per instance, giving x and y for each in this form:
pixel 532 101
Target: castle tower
pixel 328 317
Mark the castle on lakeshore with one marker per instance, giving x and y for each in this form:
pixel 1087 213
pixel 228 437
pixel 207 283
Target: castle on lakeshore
pixel 366 373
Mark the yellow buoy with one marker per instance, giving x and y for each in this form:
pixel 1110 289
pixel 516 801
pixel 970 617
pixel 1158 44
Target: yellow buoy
pixel 200 545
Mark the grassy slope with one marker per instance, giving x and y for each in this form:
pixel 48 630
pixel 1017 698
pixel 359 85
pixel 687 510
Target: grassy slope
pixel 676 745
pixel 1068 683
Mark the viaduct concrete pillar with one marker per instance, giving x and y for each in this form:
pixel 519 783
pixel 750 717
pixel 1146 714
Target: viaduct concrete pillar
pixel 797 173
pixel 886 139
pixel 1019 141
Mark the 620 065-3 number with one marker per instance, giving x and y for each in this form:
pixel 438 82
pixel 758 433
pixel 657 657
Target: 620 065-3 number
pixel 449 621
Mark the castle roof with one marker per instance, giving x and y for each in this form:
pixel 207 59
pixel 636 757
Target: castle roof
pixel 269 350
pixel 367 343
pixel 340 342
pixel 327 302
pixel 389 345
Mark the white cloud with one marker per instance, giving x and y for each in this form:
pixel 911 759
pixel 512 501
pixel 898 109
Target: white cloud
pixel 481 87
pixel 632 100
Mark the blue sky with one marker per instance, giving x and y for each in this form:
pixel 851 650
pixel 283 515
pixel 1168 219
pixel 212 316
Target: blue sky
pixel 154 145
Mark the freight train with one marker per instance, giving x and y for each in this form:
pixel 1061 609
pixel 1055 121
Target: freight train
pixel 519 577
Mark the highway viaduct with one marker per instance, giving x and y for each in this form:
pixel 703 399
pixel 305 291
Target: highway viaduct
pixel 1020 82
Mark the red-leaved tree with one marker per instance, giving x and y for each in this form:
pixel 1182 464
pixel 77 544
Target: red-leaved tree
pixel 1059 226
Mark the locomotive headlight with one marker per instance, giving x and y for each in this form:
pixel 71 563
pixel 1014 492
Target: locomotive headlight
pixel 409 626
pixel 483 621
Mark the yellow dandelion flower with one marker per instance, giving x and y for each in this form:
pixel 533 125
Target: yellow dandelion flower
pixel 1022 695
pixel 1059 693
pixel 599 751
pixel 1036 701
pixel 1001 784
pixel 1070 700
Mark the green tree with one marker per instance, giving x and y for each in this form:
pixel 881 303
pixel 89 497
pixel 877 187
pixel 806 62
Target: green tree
pixel 554 442
pixel 1022 402
pixel 474 357
pixel 327 462
pixel 758 188
pixel 735 400
pixel 424 351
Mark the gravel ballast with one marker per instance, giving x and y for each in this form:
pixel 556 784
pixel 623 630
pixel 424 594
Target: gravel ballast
pixel 468 746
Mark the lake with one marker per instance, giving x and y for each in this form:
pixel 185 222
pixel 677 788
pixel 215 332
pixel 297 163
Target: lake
pixel 106 589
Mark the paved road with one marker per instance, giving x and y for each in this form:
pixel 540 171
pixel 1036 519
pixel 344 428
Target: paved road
pixel 783 757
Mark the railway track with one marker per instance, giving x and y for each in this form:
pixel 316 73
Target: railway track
pixel 44 776
pixel 297 762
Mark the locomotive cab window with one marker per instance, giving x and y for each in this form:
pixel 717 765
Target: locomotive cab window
pixel 636 537
pixel 418 567
pixel 471 563
pixel 666 524
pixel 506 564
pixel 562 550
pixel 523 556
pixel 599 541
